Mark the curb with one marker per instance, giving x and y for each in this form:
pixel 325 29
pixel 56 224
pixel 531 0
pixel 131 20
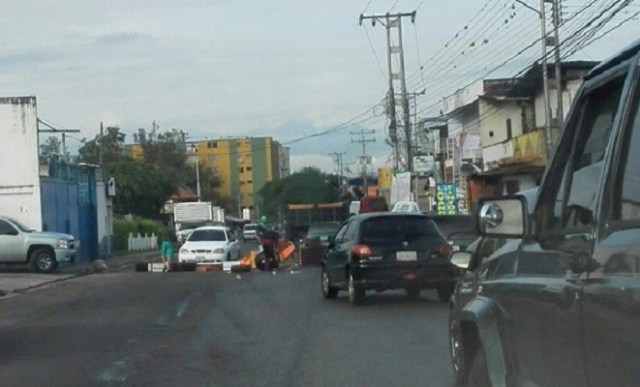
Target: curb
pixel 87 271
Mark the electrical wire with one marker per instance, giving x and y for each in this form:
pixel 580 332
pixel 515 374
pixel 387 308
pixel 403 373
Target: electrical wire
pixel 366 6
pixel 420 5
pixel 620 24
pixel 499 66
pixel 384 76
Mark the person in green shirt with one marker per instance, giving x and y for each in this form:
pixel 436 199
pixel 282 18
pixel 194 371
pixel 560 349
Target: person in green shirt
pixel 166 251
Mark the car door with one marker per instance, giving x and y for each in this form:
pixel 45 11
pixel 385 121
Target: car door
pixel 542 301
pixel 337 257
pixel 11 243
pixel 611 301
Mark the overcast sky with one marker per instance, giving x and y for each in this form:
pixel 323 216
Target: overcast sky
pixel 281 68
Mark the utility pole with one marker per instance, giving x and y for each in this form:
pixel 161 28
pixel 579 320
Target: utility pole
pixel 51 129
pixel 556 53
pixel 545 80
pixel 363 140
pixel 395 21
pixel 339 165
pixel 100 144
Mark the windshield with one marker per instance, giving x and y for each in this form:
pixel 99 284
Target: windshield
pixel 207 236
pixel 255 150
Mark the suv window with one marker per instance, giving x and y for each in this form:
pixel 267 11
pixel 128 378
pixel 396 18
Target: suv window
pixel 626 200
pixel 574 199
pixel 341 233
pixel 6 228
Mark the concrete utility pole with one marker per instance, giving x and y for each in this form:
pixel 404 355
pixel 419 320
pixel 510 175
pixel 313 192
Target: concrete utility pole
pixel 339 165
pixel 395 21
pixel 51 129
pixel 545 76
pixel 363 140
pixel 556 54
pixel 100 144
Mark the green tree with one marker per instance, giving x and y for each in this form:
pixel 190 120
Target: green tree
pixel 141 188
pixel 164 150
pixel 111 145
pixel 310 185
pixel 51 146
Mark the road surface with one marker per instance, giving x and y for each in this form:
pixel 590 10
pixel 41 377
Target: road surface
pixel 219 329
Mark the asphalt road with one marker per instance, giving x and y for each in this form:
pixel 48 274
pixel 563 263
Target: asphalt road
pixel 218 329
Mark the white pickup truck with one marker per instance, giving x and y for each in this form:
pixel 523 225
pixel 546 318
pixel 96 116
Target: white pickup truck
pixel 42 250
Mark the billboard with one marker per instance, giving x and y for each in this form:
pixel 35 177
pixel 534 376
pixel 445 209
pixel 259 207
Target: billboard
pixel 446 199
pixel 424 164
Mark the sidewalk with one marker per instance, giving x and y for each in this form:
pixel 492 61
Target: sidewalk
pixel 16 281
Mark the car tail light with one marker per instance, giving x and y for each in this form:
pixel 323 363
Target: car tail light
pixel 445 249
pixel 361 251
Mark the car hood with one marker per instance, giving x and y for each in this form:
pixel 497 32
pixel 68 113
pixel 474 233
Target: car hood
pixel 51 235
pixel 204 245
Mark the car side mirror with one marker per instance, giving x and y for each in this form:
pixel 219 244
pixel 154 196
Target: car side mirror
pixel 461 259
pixel 503 217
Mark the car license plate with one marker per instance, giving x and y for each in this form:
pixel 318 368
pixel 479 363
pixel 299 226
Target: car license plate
pixel 406 256
pixel 199 258
pixel 324 238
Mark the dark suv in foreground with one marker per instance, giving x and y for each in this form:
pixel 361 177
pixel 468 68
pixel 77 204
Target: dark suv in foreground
pixel 562 306
pixel 386 250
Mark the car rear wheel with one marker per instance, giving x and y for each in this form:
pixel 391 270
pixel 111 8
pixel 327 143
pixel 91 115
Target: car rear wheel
pixel 445 292
pixel 356 294
pixel 478 373
pixel 44 260
pixel 327 290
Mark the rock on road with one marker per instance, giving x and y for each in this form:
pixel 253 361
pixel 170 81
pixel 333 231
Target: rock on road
pixel 219 329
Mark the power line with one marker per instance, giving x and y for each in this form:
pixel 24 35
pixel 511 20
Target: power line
pixel 420 5
pixel 366 7
pixel 375 54
pixel 499 66
pixel 394 5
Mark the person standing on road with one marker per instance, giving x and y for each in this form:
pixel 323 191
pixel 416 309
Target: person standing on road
pixel 166 251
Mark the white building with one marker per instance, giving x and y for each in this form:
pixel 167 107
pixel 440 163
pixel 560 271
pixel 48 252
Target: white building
pixel 19 170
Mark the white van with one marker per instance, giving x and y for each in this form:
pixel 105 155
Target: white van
pixel 249 231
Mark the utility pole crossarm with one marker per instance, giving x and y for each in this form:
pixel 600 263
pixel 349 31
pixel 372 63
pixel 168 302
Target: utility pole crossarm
pixel 386 16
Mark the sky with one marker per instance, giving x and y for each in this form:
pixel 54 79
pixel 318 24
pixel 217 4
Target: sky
pixel 282 68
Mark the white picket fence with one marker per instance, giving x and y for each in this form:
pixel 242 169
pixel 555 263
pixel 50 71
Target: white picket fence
pixel 141 243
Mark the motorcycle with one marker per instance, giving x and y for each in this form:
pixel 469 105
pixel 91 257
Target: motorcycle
pixel 273 251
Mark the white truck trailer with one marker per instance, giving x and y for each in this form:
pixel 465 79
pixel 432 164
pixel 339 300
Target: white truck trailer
pixel 190 215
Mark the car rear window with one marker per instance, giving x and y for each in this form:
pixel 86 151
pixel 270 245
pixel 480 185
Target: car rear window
pixel 207 235
pixel 396 229
pixel 323 229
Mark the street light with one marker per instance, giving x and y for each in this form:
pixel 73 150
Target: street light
pixel 196 160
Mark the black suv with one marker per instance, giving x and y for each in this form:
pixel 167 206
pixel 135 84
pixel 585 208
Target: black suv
pixel 387 250
pixel 562 308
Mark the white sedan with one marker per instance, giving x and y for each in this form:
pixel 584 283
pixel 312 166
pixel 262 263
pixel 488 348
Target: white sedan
pixel 210 244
